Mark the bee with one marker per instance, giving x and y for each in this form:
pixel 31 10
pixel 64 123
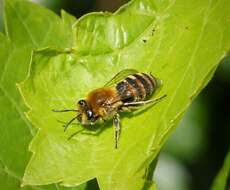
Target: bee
pixel 127 91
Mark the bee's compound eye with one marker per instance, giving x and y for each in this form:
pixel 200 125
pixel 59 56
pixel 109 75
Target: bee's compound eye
pixel 89 114
pixel 82 103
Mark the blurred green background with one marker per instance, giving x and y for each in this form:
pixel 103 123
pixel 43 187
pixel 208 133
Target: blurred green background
pixel 193 155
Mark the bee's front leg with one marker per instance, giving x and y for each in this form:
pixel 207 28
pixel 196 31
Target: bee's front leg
pixel 117 128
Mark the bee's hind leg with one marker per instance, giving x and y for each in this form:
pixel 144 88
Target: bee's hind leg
pixel 117 128
pixel 135 105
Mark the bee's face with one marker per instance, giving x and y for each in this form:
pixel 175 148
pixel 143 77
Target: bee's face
pixel 86 115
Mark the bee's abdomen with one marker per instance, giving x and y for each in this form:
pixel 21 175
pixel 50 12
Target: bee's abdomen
pixel 137 87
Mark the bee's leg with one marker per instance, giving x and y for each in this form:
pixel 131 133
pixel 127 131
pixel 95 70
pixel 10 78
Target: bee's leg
pixel 124 109
pixel 117 128
pixel 143 103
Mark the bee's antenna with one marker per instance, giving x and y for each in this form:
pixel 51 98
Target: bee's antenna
pixel 63 122
pixel 64 110
pixel 67 125
pixel 71 136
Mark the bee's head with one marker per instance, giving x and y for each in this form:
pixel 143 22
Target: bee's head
pixel 86 115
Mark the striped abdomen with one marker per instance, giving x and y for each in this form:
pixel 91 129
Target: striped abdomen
pixel 137 87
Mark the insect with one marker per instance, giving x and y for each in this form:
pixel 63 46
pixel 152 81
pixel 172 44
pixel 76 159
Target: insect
pixel 126 91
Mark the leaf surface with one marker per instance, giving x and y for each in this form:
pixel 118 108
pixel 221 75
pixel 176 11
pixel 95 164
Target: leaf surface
pixel 15 54
pixel 167 38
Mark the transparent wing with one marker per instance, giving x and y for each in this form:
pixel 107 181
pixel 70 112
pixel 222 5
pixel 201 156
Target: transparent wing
pixel 120 76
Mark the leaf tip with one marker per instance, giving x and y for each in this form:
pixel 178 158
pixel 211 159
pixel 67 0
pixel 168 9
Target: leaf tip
pixel 23 183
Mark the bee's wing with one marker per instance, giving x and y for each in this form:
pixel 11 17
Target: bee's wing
pixel 120 76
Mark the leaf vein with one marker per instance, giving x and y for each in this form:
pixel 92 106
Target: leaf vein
pixel 18 109
pixel 24 24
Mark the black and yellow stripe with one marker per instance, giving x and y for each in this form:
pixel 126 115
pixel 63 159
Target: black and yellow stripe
pixel 136 87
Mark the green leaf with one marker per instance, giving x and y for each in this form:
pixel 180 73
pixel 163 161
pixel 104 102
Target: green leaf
pixel 222 179
pixel 168 38
pixel 15 130
pixel 15 54
pixel 68 19
pixel 28 23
